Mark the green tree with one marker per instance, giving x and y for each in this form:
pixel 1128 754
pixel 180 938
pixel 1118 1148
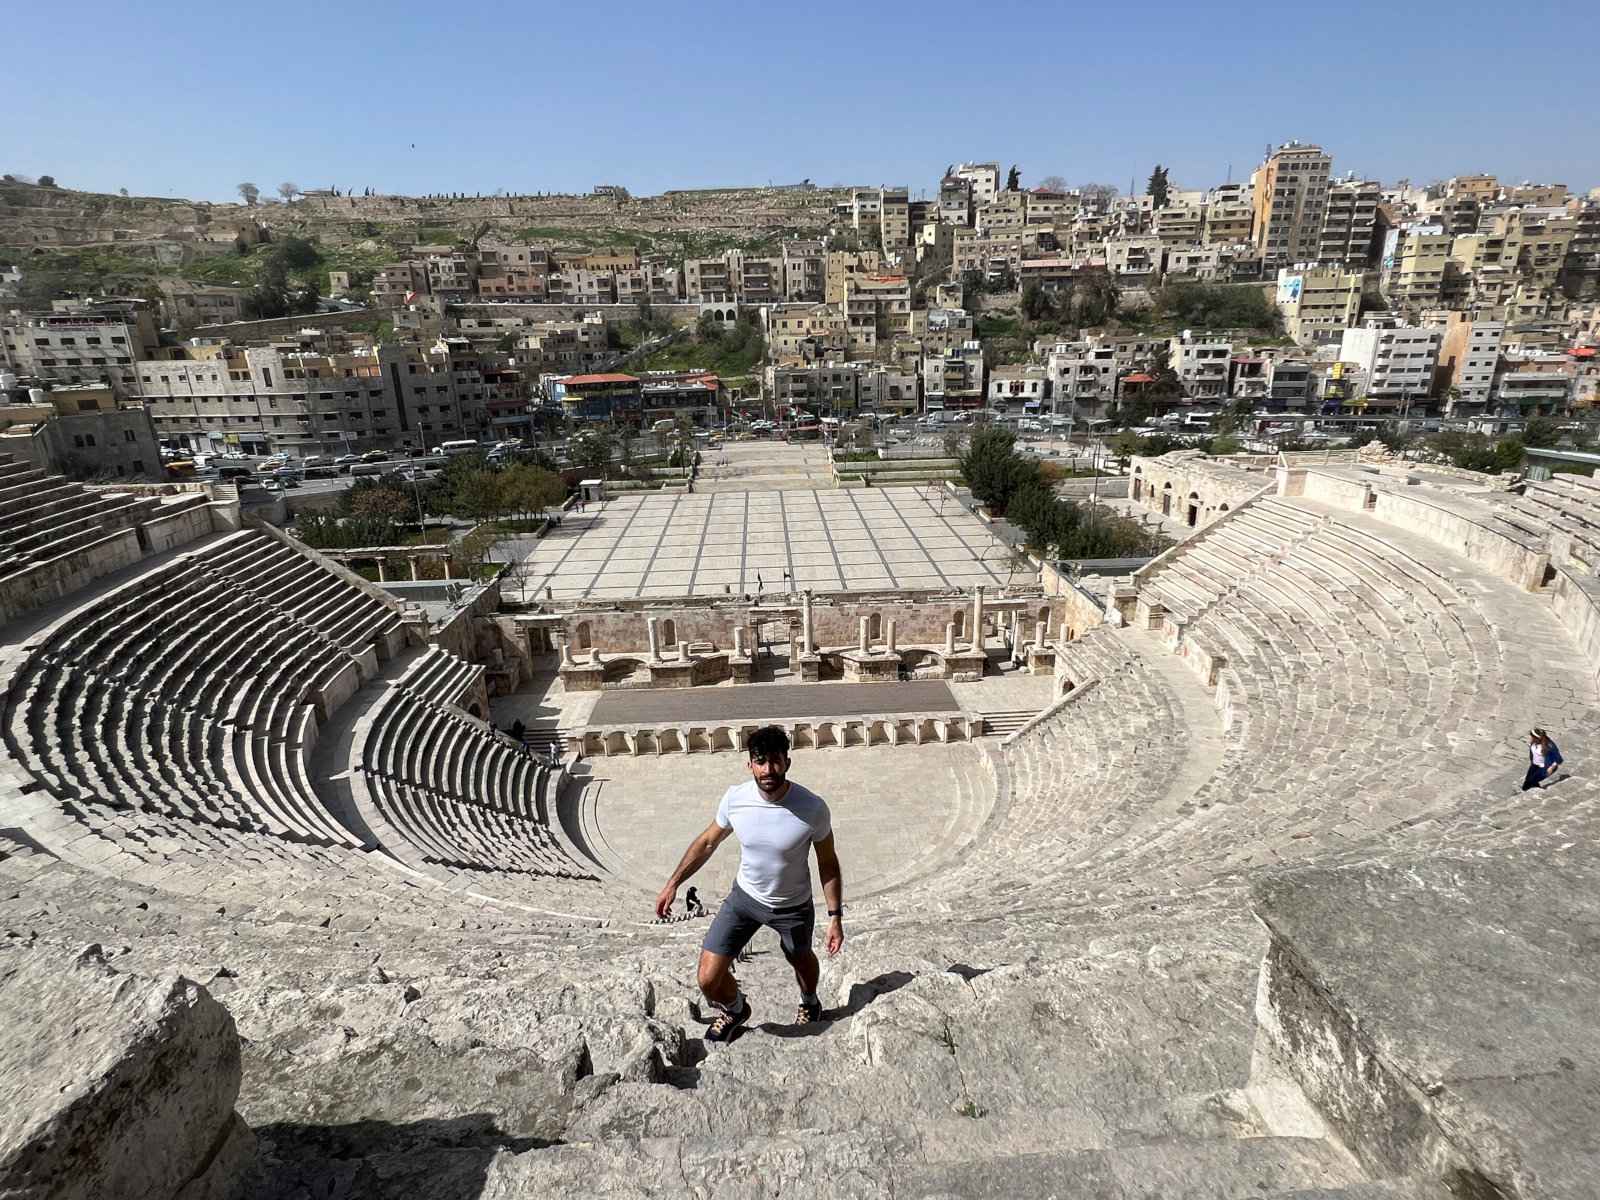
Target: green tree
pixel 993 469
pixel 479 496
pixel 1156 188
pixel 1036 304
pixel 381 502
pixel 526 489
pixel 1013 179
pixel 1541 432
pixel 592 449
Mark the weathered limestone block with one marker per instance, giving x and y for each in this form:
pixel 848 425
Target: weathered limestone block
pixel 114 1085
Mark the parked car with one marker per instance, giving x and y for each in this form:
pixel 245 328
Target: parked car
pixel 375 456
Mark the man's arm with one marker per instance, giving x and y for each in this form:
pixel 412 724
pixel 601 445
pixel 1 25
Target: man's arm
pixel 832 891
pixel 700 850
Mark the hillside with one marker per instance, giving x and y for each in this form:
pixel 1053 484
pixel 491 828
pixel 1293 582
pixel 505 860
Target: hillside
pixel 104 242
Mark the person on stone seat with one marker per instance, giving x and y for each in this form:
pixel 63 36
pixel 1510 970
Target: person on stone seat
pixel 779 824
pixel 1544 759
pixel 692 905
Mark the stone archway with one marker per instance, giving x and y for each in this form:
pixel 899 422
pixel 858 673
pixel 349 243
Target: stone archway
pixel 959 619
pixel 875 628
pixel 1166 500
pixel 669 632
pixel 582 635
pixel 1193 516
pixel 1138 482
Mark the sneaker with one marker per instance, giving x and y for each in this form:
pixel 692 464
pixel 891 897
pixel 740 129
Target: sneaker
pixel 722 1027
pixel 807 1013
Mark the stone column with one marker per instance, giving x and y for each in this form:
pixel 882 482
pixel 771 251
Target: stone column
pixel 683 651
pixel 738 641
pixel 889 635
pixel 977 617
pixel 566 651
pixel 654 632
pixel 415 573
pixel 807 632
pixel 1038 635
pixel 861 643
pixel 950 637
pixel 382 577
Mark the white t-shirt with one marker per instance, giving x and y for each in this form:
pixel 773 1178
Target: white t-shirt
pixel 775 840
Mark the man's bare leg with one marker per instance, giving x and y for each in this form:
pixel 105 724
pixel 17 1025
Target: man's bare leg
pixel 716 978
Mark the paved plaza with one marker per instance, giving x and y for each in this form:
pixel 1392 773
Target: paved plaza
pixel 774 702
pixel 738 542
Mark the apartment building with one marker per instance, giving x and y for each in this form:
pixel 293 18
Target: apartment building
pixel 954 379
pixel 990 257
pixel 1180 223
pixel 1218 263
pixel 562 347
pixel 1082 379
pixel 1482 188
pixel 945 329
pixel 1349 225
pixel 955 200
pixel 1230 215
pixel 1134 257
pixel 801 333
pixel 452 271
pixel 877 309
pixel 983 179
pixel 842 266
pixel 1044 207
pixel 81 342
pixel 1469 351
pixel 1018 388
pixel 1318 303
pixel 1398 361
pixel 894 218
pixel 1201 365
pixel 866 211
pixel 829 388
pixel 396 284
pixel 1530 385
pixel 804 271
pixel 710 280
pixel 1415 261
pixel 887 389
pixel 1290 198
pixel 187 305
pixel 1005 213
pixel 511 271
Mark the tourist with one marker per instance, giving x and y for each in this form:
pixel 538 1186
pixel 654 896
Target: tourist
pixel 518 729
pixel 1544 759
pixel 692 905
pixel 777 823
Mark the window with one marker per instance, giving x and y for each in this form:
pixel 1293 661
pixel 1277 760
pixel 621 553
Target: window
pixel 129 436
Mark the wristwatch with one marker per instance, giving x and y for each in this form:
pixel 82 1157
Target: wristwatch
pixel 836 912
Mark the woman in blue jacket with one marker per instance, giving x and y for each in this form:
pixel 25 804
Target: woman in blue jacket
pixel 1544 756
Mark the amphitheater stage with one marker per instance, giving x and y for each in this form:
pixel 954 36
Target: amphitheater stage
pixel 745 542
pixel 899 813
pixel 771 701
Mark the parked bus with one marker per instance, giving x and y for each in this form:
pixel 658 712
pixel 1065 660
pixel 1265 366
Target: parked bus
pixel 451 449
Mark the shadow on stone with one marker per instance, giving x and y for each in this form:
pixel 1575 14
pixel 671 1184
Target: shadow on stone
pixel 861 995
pixel 444 1159
pixel 967 973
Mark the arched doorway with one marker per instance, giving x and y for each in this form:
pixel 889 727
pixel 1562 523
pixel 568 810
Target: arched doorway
pixel 1194 509
pixel 669 632
pixel 1166 500
pixel 582 635
pixel 1138 482
pixel 875 627
pixel 959 620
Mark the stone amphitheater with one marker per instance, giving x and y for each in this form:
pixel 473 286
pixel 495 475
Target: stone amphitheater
pixel 1252 908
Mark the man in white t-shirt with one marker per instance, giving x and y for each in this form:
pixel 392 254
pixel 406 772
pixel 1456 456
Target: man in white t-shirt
pixel 778 824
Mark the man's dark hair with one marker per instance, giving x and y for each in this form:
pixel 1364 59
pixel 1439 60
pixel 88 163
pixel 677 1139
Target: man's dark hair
pixel 768 742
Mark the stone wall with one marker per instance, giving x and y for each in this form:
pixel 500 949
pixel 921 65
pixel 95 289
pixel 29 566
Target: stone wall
pixel 836 622
pixel 1186 486
pixel 54 578
pixel 1576 599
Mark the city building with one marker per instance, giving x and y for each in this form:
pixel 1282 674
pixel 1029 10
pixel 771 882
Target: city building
pixel 1469 352
pixel 1230 215
pixel 80 430
pixel 1019 388
pixel 1398 361
pixel 1290 199
pixel 1317 303
pixel 954 379
pixel 1202 366
pixel 983 179
pixel 1350 224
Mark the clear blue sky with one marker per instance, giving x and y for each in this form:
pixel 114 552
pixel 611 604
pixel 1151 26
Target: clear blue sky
pixel 166 98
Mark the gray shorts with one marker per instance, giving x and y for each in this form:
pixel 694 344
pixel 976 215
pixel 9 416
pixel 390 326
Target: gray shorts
pixel 741 916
